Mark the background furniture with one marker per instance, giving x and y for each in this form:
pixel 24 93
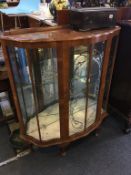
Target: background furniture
pixel 120 94
pixel 123 13
pixel 40 20
pixel 9 22
pixel 35 20
pixel 58 78
pixel 5 87
pixel 24 7
pixel 12 3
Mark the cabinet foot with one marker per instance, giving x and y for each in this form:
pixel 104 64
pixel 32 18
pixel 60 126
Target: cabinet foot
pixel 63 149
pixel 34 148
pixel 97 132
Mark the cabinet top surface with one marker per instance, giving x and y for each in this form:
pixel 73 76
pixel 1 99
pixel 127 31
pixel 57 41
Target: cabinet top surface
pixel 54 34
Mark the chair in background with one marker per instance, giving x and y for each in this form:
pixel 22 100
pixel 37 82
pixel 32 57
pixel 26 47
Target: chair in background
pixel 24 7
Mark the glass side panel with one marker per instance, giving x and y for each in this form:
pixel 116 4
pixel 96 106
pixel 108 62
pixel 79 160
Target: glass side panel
pixel 37 90
pixel 85 76
pixel 94 82
pixel 22 81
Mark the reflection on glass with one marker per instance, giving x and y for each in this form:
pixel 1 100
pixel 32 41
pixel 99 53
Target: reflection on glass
pixel 84 86
pixel 38 91
pixel 44 66
pixel 22 81
pixel 94 82
pixel 78 78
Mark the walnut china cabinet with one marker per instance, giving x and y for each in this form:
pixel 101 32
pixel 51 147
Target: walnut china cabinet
pixel 58 78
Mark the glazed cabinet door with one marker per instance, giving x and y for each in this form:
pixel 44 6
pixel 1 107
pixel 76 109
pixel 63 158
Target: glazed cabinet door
pixel 85 74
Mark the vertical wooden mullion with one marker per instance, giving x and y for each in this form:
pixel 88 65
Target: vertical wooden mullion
pixel 63 84
pixel 38 79
pixel 103 77
pixel 33 90
pixel 87 83
pixel 13 87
